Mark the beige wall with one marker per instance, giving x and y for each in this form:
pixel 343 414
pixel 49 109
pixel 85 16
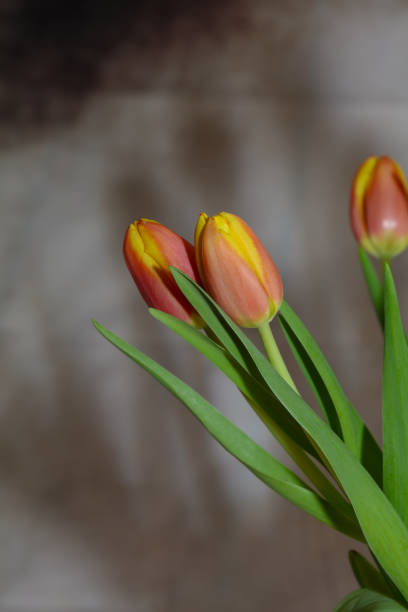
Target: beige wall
pixel 112 497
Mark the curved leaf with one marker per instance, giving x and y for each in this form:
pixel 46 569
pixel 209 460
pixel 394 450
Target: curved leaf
pixel 367 575
pixel 262 401
pixel 240 376
pixel 395 401
pixel 238 444
pixel 385 532
pixel 364 600
pixel 237 344
pixel 340 413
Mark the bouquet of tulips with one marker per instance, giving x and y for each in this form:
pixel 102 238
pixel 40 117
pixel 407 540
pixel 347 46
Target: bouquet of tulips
pixel 228 281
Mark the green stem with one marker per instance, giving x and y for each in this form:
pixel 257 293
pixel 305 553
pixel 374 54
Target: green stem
pixel 297 454
pixel 276 359
pixel 384 262
pixel 374 285
pixel 273 354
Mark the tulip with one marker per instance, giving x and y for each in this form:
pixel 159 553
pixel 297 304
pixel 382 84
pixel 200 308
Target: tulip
pixel 149 249
pixel 379 207
pixel 236 269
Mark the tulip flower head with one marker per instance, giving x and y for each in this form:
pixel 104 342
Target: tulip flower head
pixel 379 207
pixel 236 269
pixel 149 249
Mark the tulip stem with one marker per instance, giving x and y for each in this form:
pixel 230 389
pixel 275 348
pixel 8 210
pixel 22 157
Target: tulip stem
pixel 276 359
pixel 274 355
pixel 384 263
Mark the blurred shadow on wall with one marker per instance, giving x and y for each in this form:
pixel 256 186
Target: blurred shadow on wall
pixel 57 456
pixel 64 465
pixel 56 56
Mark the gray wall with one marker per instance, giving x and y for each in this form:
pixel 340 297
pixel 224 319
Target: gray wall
pixel 111 496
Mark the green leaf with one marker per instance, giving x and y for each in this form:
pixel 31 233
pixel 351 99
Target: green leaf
pixel 364 600
pixel 311 374
pixel 385 532
pixel 367 575
pixel 261 400
pixel 237 344
pixel 336 407
pixel 240 376
pixel 374 285
pixel 395 401
pixel 228 334
pixel 238 444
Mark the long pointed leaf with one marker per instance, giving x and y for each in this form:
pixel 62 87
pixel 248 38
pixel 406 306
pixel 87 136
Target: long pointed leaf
pixel 367 575
pixel 338 409
pixel 381 525
pixel 241 377
pixel 312 376
pixel 395 402
pixel 385 533
pixel 262 401
pixel 365 600
pixel 237 443
pixel 237 344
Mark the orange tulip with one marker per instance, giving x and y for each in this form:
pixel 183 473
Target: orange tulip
pixel 149 249
pixel 236 269
pixel 379 207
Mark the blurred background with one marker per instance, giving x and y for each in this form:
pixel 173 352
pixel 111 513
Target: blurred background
pixel 112 497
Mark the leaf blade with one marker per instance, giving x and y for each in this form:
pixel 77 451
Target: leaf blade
pixel 365 600
pixel 240 376
pixel 367 575
pixel 384 530
pixel 262 401
pixel 238 444
pixel 339 411
pixel 385 533
pixel 395 401
pixel 237 344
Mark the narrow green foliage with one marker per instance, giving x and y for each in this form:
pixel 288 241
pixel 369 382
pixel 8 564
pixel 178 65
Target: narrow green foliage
pixel 311 374
pixel 395 402
pixel 367 575
pixel 365 600
pixel 240 376
pixel 262 401
pixel 240 348
pixel 229 335
pixel 374 285
pixel 385 532
pixel 336 407
pixel 238 444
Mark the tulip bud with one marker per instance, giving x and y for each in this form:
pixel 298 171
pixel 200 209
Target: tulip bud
pixel 379 207
pixel 236 269
pixel 149 249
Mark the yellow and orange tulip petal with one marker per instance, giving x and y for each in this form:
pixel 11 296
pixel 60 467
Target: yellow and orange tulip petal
pixel 149 248
pixel 379 207
pixel 236 269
